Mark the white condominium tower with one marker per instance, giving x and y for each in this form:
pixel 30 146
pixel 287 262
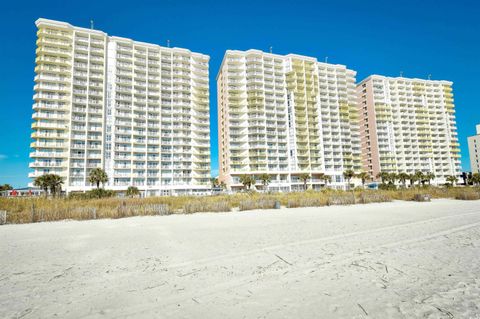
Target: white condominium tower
pixel 286 115
pixel 408 125
pixel 474 150
pixel 137 110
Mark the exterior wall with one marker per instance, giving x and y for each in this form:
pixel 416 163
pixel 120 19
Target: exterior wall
pixel 415 126
pixel 368 130
pixel 69 94
pixel 285 116
pixel 474 151
pixel 137 110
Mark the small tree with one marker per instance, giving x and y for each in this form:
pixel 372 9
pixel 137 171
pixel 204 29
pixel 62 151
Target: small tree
pixel 133 191
pixel 403 177
pixel 452 180
pixel 420 177
pixel 364 177
pixel 393 177
pixel 475 179
pixel 326 178
pixel 214 181
pixel 348 175
pixel 304 178
pixel 266 179
pixel 97 176
pixel 247 181
pixel 6 187
pixel 55 184
pixel 429 177
pixel 42 183
pixel 470 179
pixel 412 178
pixel 384 177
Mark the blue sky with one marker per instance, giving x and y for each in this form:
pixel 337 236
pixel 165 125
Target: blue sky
pixel 441 38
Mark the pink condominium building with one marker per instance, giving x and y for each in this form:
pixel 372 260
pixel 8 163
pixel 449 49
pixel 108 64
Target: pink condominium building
pixel 474 150
pixel 408 125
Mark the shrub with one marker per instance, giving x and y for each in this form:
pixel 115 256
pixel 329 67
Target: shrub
pixel 468 196
pixel 421 198
pixel 338 199
pixel 93 194
pixel 262 203
pixel 98 204
pixel 305 202
pixel 388 186
pixel 197 206
pixel 373 197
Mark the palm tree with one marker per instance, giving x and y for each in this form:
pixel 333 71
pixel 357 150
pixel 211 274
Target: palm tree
pixel 348 175
pixel 43 183
pixel 133 191
pixel 265 178
pixel 393 177
pixel 364 176
pixel 452 179
pixel 247 181
pixel 429 177
pixel 403 177
pixel 475 179
pixel 5 187
pixel 304 177
pixel 327 179
pixel 384 176
pixel 97 176
pixel 55 183
pixel 214 181
pixel 419 176
pixel 470 179
pixel 412 178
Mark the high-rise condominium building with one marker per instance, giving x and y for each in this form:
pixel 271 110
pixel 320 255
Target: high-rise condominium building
pixel 138 110
pixel 474 150
pixel 286 115
pixel 408 125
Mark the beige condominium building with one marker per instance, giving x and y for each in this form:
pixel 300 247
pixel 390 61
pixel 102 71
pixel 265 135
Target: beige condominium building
pixel 137 110
pixel 474 150
pixel 408 125
pixel 286 115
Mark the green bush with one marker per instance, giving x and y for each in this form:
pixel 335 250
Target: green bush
pixel 467 196
pixel 387 187
pixel 93 194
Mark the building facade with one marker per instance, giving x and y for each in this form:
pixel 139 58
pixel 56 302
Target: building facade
pixel 474 151
pixel 137 110
pixel 408 125
pixel 286 115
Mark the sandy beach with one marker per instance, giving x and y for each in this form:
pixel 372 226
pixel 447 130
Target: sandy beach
pixel 388 260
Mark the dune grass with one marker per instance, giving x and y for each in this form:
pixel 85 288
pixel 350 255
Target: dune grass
pixel 27 210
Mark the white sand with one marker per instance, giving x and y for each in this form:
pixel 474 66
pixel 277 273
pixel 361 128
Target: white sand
pixel 392 260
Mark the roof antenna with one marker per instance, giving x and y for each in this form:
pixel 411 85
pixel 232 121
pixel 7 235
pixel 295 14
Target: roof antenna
pixel 429 76
pixel 326 59
pixel 168 43
pixel 271 48
pixel 91 24
pixel 401 74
